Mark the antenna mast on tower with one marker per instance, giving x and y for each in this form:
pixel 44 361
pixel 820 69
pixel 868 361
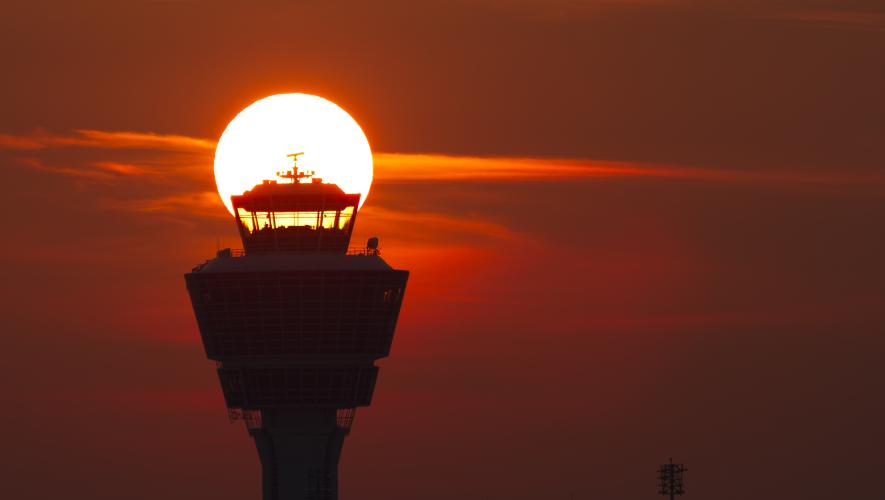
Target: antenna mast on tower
pixel 294 175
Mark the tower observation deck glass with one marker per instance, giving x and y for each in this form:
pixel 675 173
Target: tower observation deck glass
pixel 295 217
pixel 326 219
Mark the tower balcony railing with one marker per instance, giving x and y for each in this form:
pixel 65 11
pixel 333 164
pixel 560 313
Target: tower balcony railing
pixel 239 252
pixel 363 251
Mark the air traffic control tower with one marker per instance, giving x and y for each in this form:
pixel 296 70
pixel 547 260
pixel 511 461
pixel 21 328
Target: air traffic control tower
pixel 295 323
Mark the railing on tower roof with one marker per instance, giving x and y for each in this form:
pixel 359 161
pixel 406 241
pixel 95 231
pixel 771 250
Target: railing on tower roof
pixel 239 252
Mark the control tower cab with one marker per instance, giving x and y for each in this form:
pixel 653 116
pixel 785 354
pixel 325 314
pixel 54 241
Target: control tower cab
pixel 295 324
pixel 295 216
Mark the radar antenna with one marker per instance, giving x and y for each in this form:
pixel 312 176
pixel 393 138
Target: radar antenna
pixel 294 175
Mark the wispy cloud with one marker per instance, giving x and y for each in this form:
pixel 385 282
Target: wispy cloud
pixel 122 168
pixel 869 20
pixel 435 167
pixel 67 170
pixel 41 139
pixel 114 157
pixel 432 167
pixel 428 226
pixel 173 173
pixel 144 140
pixel 204 204
pixel 17 142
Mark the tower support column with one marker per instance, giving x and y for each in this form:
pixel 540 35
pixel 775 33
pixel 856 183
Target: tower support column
pixel 299 451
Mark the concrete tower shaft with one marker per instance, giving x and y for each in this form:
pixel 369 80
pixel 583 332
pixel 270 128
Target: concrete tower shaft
pixel 295 325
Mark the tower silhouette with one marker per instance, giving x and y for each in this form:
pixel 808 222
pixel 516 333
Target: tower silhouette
pixel 295 323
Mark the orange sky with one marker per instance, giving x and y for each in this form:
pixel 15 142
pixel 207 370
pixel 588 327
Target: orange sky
pixel 584 286
pixel 635 230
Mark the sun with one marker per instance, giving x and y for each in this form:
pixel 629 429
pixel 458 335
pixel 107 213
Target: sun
pixel 256 144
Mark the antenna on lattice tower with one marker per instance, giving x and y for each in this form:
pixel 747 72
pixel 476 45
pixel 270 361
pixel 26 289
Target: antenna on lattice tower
pixel 671 480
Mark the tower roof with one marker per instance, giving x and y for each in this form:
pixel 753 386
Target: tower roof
pixel 279 262
pixel 271 196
